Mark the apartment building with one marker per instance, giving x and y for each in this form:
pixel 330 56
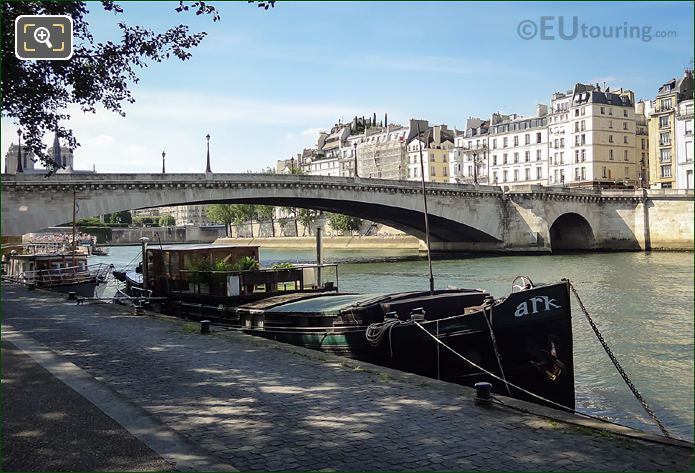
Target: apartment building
pixel 684 145
pixel 519 149
pixel 468 158
pixel 592 138
pixel 642 110
pixel 662 130
pixel 434 142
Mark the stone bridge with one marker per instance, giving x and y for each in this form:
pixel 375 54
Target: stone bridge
pixel 462 217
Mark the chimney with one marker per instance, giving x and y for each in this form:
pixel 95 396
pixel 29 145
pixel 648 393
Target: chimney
pixel 541 110
pixel 437 133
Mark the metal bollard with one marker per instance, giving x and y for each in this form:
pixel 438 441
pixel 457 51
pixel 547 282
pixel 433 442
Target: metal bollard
pixel 482 393
pixel 204 327
pixel 72 296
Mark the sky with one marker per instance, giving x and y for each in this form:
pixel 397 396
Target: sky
pixel 264 83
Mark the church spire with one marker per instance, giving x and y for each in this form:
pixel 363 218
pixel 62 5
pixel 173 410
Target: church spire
pixel 57 154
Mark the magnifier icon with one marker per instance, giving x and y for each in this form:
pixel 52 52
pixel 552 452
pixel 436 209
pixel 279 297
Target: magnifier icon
pixel 42 35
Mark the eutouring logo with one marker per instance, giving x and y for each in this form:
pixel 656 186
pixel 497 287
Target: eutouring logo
pixel 550 28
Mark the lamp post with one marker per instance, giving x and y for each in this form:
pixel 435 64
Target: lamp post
pixel 354 148
pixel 207 169
pixel 163 168
pixel 475 168
pixel 19 152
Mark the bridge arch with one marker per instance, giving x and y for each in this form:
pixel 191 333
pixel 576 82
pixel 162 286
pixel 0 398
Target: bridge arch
pixel 571 231
pixel 458 213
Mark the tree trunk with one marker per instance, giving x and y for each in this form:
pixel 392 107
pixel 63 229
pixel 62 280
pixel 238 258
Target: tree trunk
pixel 296 227
pixel 251 228
pixel 272 226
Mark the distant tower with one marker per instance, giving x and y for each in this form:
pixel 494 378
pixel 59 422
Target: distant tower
pixel 386 119
pixel 57 153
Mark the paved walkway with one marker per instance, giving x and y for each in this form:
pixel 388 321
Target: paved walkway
pixel 48 426
pixel 258 406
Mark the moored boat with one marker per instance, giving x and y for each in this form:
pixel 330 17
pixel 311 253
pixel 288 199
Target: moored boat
pixel 62 272
pixel 525 338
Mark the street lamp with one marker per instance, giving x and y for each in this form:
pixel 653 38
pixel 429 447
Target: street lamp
pixel 19 152
pixel 163 168
pixel 354 147
pixel 207 169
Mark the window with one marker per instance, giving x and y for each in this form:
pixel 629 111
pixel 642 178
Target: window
pixel 583 123
pixel 576 126
pixel 665 156
pixel 576 112
pixel 583 140
pixel 527 139
pixel 557 142
pixel 538 137
pixel 664 121
pixel 604 172
pixel 409 172
pixel 664 139
pixel 504 176
pixel 539 155
pixel 562 142
pixel 610 124
pixel 625 112
pixel 583 155
pixel 516 141
pixel 431 157
pixel 504 158
pixel 610 154
pixel 583 111
pixel 603 110
pixel 516 175
pixel 666 104
pixel 583 174
pixel 610 138
pixel 432 171
pixel 494 160
pixel 644 144
pixel 610 111
pixel 562 157
pixel 494 143
pixel 576 174
pixel 562 175
pixel 625 126
pixel 665 171
pixel 576 155
pixel 625 155
pixel 516 158
pixel 555 176
pixel 527 156
pixel 504 142
pixel 627 172
pixel 576 140
pixel 625 139
pixel 539 173
pixel 445 172
pixel 527 174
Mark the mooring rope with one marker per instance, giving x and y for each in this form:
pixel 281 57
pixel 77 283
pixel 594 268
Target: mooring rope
pixel 494 345
pixel 617 365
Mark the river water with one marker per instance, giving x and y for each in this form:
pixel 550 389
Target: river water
pixel 641 302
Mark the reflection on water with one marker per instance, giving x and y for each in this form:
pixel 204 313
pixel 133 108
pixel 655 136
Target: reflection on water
pixel 641 302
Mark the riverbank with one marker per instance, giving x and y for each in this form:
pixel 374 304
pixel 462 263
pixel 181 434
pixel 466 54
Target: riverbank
pixel 256 404
pixel 396 242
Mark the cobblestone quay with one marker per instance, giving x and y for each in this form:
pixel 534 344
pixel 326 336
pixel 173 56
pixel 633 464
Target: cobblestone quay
pixel 259 405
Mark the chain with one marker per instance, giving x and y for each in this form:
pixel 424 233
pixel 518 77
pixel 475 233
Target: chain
pixel 618 367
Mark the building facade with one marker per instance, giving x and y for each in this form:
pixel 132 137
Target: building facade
pixel 519 149
pixel 434 142
pixel 684 145
pixel 468 160
pixel 642 110
pixel 592 138
pixel 662 131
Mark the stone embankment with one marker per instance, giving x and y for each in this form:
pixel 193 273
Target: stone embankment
pixel 228 400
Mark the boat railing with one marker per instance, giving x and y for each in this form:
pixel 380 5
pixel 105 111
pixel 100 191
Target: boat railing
pixel 67 275
pixel 300 277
